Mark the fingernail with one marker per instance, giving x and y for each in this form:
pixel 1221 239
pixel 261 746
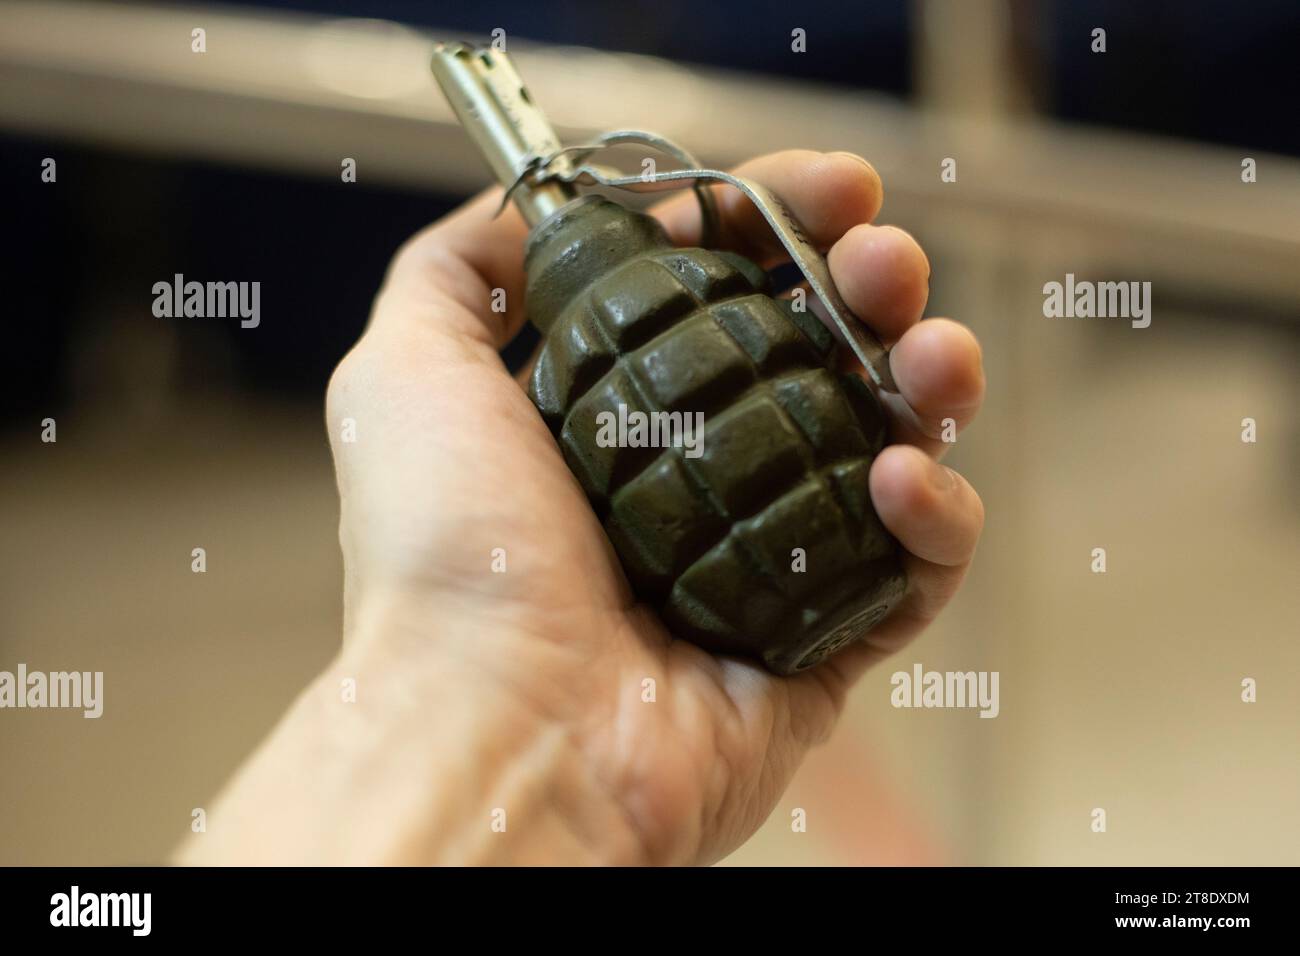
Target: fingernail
pixel 854 156
pixel 943 478
pixel 917 244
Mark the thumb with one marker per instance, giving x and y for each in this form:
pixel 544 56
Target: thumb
pixel 472 258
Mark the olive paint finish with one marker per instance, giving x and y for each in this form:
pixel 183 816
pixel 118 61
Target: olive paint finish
pixel 763 541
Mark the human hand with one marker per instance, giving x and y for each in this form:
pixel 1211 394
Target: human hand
pixel 521 691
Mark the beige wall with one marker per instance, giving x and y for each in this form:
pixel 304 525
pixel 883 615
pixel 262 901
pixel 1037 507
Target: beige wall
pixel 1118 691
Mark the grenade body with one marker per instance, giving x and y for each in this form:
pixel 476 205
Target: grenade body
pixel 764 543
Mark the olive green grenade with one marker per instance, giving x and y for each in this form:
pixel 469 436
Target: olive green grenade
pixel 755 536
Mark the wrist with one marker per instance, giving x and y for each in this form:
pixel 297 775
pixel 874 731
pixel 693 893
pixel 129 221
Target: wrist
pixel 402 753
pixel 474 771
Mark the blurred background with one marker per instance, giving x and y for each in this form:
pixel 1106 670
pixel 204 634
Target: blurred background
pixel 1119 691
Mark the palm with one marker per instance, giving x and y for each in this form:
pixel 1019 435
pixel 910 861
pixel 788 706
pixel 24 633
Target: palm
pixel 491 477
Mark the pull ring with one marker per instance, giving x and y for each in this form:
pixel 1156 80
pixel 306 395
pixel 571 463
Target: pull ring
pixel 569 165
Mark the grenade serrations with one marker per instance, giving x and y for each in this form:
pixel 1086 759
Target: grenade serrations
pixel 766 544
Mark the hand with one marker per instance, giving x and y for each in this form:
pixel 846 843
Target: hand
pixel 480 692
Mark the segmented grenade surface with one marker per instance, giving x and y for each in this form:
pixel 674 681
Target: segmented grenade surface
pixel 786 450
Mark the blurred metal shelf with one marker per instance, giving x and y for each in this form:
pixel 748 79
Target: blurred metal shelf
pixel 298 93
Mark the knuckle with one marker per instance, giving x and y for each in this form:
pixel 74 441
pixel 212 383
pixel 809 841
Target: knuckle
pixel 346 379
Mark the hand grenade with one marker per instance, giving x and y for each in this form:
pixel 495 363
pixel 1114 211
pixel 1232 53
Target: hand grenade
pixel 756 535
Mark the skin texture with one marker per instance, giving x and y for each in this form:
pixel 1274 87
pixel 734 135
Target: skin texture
pixel 518 696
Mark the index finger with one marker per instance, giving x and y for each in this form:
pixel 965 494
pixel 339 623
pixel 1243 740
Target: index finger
pixel 829 193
